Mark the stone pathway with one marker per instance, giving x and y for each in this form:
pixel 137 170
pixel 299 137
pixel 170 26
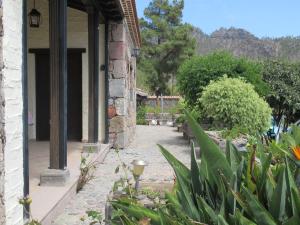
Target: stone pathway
pixel 93 195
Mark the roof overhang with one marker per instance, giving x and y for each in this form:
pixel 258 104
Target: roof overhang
pixel 115 10
pixel 130 13
pixel 110 9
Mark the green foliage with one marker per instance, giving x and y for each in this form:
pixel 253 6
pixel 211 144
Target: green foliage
pixel 234 132
pixel 141 80
pixel 141 115
pixel 87 170
pixel 284 81
pixel 26 202
pixel 284 146
pixel 233 103
pixel 178 108
pixel 156 110
pixel 231 188
pixel 197 72
pixel 180 119
pixel 166 42
pixel 151 194
pixel 93 218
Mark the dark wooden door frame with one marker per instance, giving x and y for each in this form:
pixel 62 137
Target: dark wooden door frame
pixel 73 54
pixel 47 50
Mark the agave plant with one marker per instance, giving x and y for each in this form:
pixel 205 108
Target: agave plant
pixel 231 188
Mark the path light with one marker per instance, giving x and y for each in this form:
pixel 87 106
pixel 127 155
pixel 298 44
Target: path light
pixel 138 169
pixel 34 17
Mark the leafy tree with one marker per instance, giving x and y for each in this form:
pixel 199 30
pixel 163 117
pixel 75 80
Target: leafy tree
pixel 196 73
pixel 166 42
pixel 284 81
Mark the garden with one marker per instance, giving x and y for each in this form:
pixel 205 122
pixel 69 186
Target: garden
pixel 257 183
pixel 241 117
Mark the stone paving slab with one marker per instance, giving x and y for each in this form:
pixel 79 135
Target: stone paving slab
pixel 93 196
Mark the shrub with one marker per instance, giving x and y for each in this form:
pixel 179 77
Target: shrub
pixel 231 103
pixel 141 115
pixel 196 73
pixel 150 109
pixel 177 109
pixel 180 119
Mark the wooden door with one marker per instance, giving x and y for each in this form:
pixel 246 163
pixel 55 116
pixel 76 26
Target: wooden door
pixel 74 114
pixel 42 83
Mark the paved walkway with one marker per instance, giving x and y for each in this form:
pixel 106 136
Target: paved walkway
pixel 93 195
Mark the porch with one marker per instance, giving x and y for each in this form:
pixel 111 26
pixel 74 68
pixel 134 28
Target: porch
pixel 47 201
pixel 67 96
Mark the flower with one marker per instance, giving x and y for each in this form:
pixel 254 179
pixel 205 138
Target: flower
pixel 296 151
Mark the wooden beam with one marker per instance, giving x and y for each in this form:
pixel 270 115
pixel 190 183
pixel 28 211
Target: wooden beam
pixel 106 80
pixel 76 5
pixel 47 50
pixel 93 44
pixel 25 110
pixel 58 83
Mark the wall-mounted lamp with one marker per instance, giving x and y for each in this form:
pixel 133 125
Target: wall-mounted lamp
pixel 135 52
pixel 34 17
pixel 137 171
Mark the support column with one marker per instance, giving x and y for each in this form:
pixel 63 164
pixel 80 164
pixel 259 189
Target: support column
pixel 93 42
pixel 58 83
pixel 57 173
pixel 106 96
pixel 25 108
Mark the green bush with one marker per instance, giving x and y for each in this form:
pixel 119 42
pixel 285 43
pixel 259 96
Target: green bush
pixel 156 110
pixel 180 119
pixel 177 109
pixel 196 73
pixel 141 115
pixel 232 103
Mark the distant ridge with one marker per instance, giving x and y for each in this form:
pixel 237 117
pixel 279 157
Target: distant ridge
pixel 242 43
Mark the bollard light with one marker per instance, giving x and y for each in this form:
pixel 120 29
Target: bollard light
pixel 137 171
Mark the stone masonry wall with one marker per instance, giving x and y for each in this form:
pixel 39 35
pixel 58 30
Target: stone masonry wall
pixel 122 76
pixel 12 110
pixel 2 132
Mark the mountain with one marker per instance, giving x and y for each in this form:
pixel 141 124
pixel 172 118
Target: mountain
pixel 242 43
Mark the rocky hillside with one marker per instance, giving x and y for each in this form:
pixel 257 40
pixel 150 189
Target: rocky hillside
pixel 242 43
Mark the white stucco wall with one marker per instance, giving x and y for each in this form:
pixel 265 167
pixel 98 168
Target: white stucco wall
pixel 12 73
pixel 77 37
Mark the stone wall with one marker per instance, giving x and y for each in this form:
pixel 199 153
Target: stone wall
pixel 12 110
pixel 122 76
pixel 2 131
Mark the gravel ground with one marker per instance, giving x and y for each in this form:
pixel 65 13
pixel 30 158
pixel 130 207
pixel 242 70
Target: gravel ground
pixel 93 196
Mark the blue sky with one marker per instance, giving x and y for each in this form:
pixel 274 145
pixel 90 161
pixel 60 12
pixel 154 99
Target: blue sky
pixel 272 18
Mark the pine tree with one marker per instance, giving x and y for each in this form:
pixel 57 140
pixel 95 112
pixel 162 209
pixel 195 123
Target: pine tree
pixel 166 43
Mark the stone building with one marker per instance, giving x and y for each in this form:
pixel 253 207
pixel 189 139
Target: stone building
pixel 67 83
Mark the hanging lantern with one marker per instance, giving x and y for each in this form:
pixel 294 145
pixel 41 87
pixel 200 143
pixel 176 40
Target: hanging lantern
pixel 34 17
